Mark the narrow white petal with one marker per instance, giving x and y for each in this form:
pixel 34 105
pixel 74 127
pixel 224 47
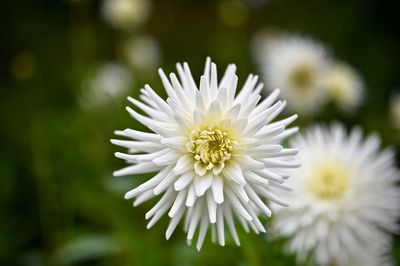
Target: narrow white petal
pixel 231 224
pixel 184 164
pixel 218 189
pixel 247 162
pixel 191 197
pixel 257 201
pixel 233 173
pixel 140 168
pixel 165 183
pixel 139 135
pixel 149 184
pixel 194 219
pixel 202 234
pixel 212 207
pixel 174 222
pixel 202 184
pixel 178 203
pixel 251 177
pixel 183 181
pixel 144 197
pixel 237 205
pixel 166 159
pixel 165 200
pixel 220 226
pixel 157 216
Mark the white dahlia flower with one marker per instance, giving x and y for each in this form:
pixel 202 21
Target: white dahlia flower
pixel 345 197
pixel 344 85
pixel 125 14
pixel 216 152
pixel 297 65
pixel 374 255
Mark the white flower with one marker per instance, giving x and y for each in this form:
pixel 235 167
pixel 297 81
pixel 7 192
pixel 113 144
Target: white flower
pixel 125 14
pixel 344 196
pixel 344 85
pixel 109 81
pixel 217 153
pixel 297 65
pixel 374 255
pixel 142 53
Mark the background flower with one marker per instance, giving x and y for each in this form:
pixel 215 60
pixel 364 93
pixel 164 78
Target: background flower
pixel 298 66
pixel 125 14
pixel 344 196
pixel 108 82
pixel 142 53
pixel 344 86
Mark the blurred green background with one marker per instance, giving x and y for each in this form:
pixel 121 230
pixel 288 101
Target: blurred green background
pixel 59 203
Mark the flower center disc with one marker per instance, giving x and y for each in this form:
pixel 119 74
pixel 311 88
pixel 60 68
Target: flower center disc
pixel 302 77
pixel 211 149
pixel 329 182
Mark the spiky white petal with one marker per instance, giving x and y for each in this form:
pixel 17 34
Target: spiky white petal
pixel 344 199
pixel 217 152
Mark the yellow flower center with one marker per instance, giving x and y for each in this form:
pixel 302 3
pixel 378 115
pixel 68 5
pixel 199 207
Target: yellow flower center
pixel 211 148
pixel 302 77
pixel 340 88
pixel 329 182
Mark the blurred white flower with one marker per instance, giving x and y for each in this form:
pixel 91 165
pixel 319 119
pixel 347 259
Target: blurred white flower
pixel 344 199
pixel 297 65
pixel 216 152
pixel 395 110
pixel 374 255
pixel 126 14
pixel 109 81
pixel 344 85
pixel 142 53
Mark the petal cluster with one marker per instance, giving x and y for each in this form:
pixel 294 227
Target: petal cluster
pixel 344 199
pixel 215 151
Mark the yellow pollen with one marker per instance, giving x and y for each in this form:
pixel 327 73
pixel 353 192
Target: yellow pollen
pixel 302 77
pixel 211 148
pixel 329 181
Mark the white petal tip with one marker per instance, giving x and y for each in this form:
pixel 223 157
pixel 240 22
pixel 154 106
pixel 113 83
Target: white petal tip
pixel 128 196
pixel 219 201
pixel 117 173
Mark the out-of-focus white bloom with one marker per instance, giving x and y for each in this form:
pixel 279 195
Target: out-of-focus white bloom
pixel 111 80
pixel 125 14
pixel 344 85
pixel 217 153
pixel 297 65
pixel 395 110
pixel 344 197
pixel 374 255
pixel 142 53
